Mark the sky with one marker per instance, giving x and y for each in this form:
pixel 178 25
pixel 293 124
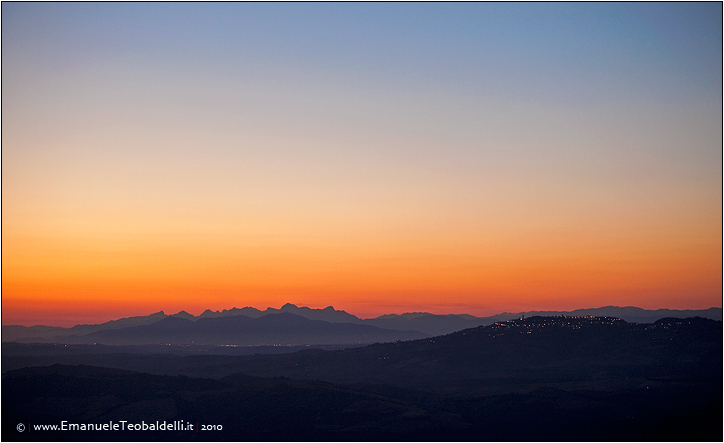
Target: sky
pixel 376 157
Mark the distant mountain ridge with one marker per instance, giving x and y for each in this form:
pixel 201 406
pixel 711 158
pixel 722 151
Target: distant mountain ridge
pixel 328 314
pixel 284 329
pixel 420 322
pixel 14 332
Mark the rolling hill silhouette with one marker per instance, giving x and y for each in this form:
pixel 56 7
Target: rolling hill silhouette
pixel 541 378
pixel 560 350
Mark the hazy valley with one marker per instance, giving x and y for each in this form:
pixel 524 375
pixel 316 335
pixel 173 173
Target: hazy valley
pixel 533 378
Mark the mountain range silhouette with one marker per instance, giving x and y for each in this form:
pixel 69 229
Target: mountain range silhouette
pixel 328 326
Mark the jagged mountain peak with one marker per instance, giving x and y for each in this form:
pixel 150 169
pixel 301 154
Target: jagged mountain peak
pixel 184 314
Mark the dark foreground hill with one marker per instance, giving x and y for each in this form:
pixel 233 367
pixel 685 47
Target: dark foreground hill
pixel 243 408
pixel 542 378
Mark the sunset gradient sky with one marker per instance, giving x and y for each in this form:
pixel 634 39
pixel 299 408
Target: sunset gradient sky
pixel 450 158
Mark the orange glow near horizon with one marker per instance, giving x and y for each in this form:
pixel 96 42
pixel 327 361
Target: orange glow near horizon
pixel 455 160
pixel 102 279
